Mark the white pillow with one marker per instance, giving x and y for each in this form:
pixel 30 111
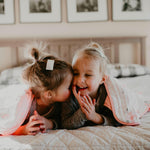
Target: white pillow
pixel 129 70
pixel 11 75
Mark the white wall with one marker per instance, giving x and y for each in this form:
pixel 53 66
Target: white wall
pixel 65 29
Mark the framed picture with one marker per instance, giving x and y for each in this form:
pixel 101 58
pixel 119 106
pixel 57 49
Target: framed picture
pixel 87 10
pixel 7 12
pixel 33 11
pixel 131 10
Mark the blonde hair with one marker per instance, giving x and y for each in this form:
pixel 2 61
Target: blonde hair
pixel 93 51
pixel 41 79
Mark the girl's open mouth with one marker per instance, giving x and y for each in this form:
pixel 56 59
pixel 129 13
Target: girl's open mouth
pixel 80 89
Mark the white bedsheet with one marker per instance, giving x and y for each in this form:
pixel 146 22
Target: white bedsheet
pixel 95 138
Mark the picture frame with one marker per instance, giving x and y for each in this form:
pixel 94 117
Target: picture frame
pixel 86 11
pixel 40 11
pixel 7 12
pixel 131 10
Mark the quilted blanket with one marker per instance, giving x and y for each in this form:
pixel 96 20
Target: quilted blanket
pixel 127 106
pixel 13 108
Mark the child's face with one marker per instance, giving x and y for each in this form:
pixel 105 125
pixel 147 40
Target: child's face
pixel 63 92
pixel 87 76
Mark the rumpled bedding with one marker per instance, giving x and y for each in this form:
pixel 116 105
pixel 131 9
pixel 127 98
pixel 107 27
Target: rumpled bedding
pixel 86 138
pixel 13 108
pixel 94 137
pixel 127 106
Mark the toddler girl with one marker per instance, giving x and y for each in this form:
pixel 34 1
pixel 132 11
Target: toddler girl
pixel 99 99
pixel 49 81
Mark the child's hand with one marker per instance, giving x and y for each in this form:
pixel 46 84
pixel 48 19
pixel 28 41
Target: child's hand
pixel 88 107
pixel 37 124
pixel 83 99
pixel 33 126
pixel 46 124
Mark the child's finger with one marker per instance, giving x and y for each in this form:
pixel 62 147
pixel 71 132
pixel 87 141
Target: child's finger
pixel 85 111
pixel 32 133
pixel 74 90
pixel 42 128
pixel 36 123
pixel 32 118
pixel 77 95
pixel 94 102
pixel 89 99
pixel 36 113
pixel 89 104
pixel 34 129
pixel 86 105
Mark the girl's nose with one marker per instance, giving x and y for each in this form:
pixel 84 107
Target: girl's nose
pixel 81 80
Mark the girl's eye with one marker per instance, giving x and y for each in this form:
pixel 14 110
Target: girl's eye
pixel 75 74
pixel 88 75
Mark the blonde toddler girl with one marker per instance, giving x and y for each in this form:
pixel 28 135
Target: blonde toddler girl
pixel 99 99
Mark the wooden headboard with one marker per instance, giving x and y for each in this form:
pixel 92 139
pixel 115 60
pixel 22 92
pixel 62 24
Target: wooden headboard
pixel 117 49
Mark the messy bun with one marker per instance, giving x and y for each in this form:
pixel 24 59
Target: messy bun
pixel 35 54
pixel 95 46
pixel 35 50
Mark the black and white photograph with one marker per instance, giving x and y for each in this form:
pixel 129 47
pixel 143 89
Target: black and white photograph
pixel 7 12
pixel 2 7
pixel 133 10
pixel 34 11
pixel 40 6
pixel 87 10
pixel 87 5
pixel 131 5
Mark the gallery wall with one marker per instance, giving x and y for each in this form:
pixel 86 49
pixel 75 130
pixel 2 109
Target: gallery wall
pixel 65 29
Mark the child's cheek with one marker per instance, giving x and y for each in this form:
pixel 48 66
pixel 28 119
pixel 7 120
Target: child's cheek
pixel 67 94
pixel 74 80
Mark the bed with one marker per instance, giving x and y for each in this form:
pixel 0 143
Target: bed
pixel 131 72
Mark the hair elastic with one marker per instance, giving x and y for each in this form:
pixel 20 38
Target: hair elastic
pixel 97 47
pixel 50 64
pixel 100 52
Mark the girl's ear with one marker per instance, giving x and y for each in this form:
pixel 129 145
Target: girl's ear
pixel 48 94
